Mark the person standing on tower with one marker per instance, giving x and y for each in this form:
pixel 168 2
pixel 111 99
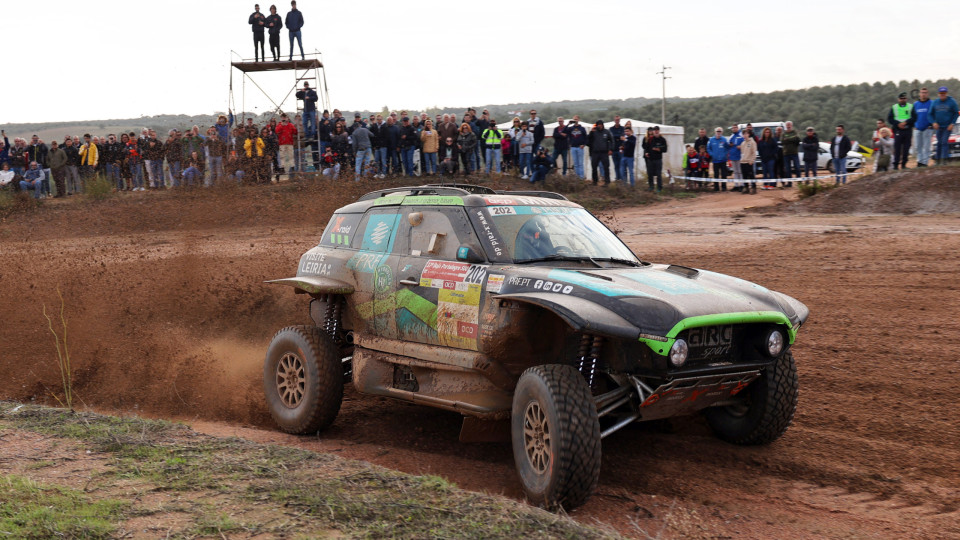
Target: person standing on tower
pixel 274 24
pixel 294 23
pixel 256 21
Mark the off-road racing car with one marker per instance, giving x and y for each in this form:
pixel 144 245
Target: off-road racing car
pixel 523 308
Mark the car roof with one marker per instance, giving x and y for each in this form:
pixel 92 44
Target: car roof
pixel 455 195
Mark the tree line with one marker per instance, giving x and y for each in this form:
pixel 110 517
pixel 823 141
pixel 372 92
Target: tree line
pixel 857 106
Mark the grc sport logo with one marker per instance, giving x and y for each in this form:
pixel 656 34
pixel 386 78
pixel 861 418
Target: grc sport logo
pixel 711 341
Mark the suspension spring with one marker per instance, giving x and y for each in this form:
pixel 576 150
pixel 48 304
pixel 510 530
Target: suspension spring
pixel 582 353
pixel 595 349
pixel 331 323
pixel 589 355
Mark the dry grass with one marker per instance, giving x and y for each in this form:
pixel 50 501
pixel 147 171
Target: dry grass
pixel 199 485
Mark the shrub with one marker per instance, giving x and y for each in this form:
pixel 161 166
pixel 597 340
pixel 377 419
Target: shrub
pixel 809 190
pixel 99 188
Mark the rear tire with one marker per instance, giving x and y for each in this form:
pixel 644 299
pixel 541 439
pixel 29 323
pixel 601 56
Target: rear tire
pixel 767 410
pixel 556 436
pixel 303 379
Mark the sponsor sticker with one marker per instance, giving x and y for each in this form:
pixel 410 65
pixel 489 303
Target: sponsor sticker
pixel 314 264
pixel 494 282
pixel 467 330
pixel 445 270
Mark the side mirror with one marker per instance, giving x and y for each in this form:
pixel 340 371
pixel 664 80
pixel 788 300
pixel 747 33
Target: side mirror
pixel 470 254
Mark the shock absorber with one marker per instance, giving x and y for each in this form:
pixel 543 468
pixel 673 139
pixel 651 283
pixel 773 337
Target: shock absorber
pixel 595 348
pixel 583 352
pixel 331 323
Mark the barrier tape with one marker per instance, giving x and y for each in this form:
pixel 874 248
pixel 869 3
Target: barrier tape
pixel 759 180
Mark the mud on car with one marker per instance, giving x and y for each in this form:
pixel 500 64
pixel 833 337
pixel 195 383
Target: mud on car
pixel 523 309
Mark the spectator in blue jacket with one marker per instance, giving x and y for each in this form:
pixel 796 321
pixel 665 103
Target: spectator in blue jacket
pixel 294 23
pixel 33 179
pixel 735 141
pixel 943 115
pixel 718 147
pixel 922 130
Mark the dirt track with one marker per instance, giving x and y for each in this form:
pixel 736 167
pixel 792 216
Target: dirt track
pixel 168 317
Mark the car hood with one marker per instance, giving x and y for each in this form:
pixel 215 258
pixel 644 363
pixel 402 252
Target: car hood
pixel 655 300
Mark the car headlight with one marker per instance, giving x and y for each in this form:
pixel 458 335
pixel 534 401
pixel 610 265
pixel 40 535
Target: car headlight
pixel 678 353
pixel 774 343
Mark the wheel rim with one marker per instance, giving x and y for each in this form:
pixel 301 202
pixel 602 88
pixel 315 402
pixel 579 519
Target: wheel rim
pixel 291 380
pixel 536 438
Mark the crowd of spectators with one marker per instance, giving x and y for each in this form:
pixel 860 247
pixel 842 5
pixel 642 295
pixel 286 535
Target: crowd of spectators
pixel 411 144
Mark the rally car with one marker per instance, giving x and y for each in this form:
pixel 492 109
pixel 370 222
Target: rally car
pixel 523 309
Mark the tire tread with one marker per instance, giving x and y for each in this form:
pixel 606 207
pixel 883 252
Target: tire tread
pixel 579 450
pixel 328 385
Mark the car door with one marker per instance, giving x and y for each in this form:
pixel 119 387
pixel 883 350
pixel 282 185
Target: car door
pixel 374 267
pixel 438 297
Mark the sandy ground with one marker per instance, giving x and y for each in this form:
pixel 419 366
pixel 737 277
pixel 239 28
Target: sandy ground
pixel 168 317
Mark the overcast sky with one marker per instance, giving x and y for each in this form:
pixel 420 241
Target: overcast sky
pixel 78 60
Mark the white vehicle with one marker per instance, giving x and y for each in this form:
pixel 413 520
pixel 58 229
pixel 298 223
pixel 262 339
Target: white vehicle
pixel 825 161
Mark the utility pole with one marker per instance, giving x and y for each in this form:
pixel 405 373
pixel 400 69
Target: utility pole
pixel 663 99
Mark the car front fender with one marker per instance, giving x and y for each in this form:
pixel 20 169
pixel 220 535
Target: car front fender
pixel 315 285
pixel 582 315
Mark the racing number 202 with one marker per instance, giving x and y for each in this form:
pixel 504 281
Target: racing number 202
pixel 475 274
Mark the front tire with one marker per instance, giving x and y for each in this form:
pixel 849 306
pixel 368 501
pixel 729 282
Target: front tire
pixel 556 436
pixel 303 379
pixel 767 408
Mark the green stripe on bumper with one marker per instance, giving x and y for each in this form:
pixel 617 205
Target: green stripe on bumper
pixel 747 317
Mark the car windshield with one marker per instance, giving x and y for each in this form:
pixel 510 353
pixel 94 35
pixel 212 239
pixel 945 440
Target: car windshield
pixel 543 233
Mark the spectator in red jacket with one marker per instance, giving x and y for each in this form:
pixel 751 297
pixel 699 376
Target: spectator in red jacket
pixel 286 136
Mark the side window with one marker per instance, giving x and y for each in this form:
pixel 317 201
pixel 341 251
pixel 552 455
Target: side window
pixel 377 230
pixel 436 232
pixel 340 230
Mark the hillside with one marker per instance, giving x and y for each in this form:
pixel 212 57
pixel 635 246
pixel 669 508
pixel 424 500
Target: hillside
pixel 857 106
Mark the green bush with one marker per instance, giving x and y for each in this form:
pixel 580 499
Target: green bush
pixel 811 189
pixel 99 188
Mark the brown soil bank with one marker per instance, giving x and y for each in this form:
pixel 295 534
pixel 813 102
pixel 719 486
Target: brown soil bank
pixel 912 191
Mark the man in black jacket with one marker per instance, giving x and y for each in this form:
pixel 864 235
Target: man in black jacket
pixel 392 136
pixel 656 148
pixel 560 144
pixel 274 24
pixel 73 167
pixel 601 146
pixel 324 131
pixel 309 97
pixel 408 144
pixel 839 146
pixel 536 127
pixel 616 131
pixel 701 141
pixel 256 21
pixel 111 156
